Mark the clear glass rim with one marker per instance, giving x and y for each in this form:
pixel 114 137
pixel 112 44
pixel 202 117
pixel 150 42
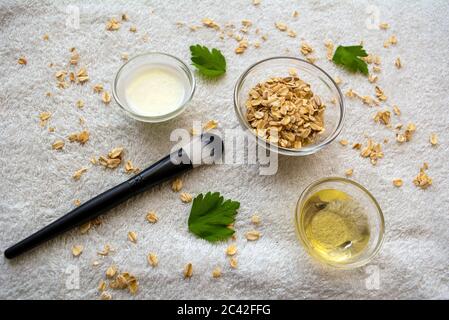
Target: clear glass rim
pixel 164 117
pixel 275 148
pixel 301 232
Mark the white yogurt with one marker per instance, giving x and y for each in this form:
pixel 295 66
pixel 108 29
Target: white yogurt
pixel 155 90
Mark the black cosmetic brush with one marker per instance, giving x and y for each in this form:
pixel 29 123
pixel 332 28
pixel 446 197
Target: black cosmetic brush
pixel 202 149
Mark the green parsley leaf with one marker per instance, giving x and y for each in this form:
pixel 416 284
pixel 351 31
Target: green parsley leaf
pixel 209 63
pixel 348 57
pixel 210 216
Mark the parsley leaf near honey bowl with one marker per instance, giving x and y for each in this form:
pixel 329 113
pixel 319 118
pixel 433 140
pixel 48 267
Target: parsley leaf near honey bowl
pixel 154 87
pixel 211 216
pixel 289 105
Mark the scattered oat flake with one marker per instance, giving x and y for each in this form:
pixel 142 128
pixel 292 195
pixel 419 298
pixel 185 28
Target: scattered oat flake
pixel 82 75
pixel 188 270
pixel 152 217
pixel 407 135
pixel 45 37
pixel 185 197
pixel 372 78
pixel 255 219
pixel 380 94
pixel 216 273
pixel 383 117
pixel 115 153
pixel 102 285
pixel 176 185
pixel 133 29
pixel 433 139
pixel 253 235
pixel 231 250
pixel 280 26
pixel 211 124
pixel 329 49
pixel 291 33
pixel 233 262
pixel 152 259
pixel 338 80
pixel 256 2
pixel 397 182
pixel 108 162
pixel 210 23
pixel 84 228
pixel 344 142
pixel 111 271
pixel 74 58
pixel 81 137
pixel 422 180
pixel 124 56
pixel 106 97
pixel 295 14
pixel 77 175
pixel 105 296
pixel 77 202
pixel 44 117
pixel 398 63
pixel 357 146
pixel 349 172
pixel 400 137
pixel 58 145
pixel 373 151
pixel 242 46
pixel 105 251
pixel 306 49
pixel 396 110
pixel 132 236
pixel 129 168
pixel 125 280
pixel 22 61
pixel 112 25
pixel 98 88
pixel 393 40
pixel 384 25
pixel 247 23
pixel 77 250
pixel 80 104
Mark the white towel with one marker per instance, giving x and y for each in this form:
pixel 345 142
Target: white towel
pixel 37 186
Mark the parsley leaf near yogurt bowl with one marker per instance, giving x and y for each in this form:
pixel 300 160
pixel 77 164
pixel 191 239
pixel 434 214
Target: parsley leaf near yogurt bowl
pixel 154 87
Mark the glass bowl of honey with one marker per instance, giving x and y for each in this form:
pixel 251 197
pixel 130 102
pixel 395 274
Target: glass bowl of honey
pixel 339 222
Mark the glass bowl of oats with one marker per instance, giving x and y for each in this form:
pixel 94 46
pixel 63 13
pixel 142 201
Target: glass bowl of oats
pixel 290 106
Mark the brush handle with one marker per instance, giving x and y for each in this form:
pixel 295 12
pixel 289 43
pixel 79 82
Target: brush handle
pixel 157 173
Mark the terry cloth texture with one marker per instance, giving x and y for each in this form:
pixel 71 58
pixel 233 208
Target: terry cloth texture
pixel 37 186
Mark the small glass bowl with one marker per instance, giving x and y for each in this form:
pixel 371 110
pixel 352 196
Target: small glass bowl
pixel 322 85
pixel 145 60
pixel 373 212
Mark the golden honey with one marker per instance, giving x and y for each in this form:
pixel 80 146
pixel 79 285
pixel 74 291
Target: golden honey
pixel 336 225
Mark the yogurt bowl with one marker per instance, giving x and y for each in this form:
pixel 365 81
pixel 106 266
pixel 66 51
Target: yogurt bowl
pixel 153 87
